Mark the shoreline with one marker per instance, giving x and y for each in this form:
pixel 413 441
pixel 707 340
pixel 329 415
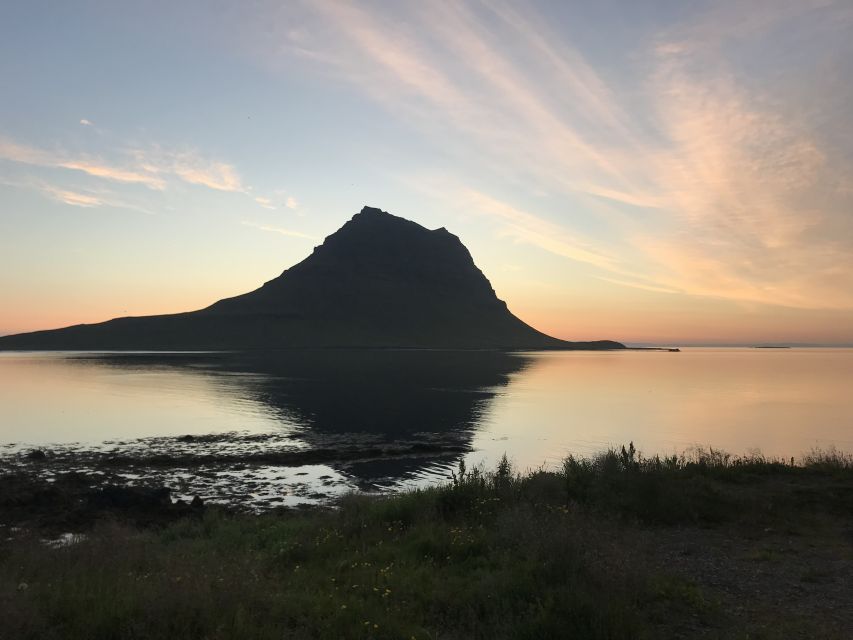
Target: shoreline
pixel 252 472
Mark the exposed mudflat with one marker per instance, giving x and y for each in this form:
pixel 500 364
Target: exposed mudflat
pixel 247 472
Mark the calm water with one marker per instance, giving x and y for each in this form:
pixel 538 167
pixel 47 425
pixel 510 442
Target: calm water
pixel 535 407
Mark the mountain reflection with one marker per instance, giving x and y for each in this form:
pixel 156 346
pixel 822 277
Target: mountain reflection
pixel 341 396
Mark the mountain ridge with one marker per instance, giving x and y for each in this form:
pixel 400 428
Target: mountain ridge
pixel 380 281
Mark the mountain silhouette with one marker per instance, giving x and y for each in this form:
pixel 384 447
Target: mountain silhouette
pixel 380 281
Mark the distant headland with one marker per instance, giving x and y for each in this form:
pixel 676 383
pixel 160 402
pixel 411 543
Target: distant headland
pixel 380 281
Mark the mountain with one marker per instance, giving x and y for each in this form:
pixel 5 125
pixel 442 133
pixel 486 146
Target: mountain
pixel 379 281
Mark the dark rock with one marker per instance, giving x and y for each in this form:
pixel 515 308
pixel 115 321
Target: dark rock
pixel 115 497
pixel 19 491
pixel 72 504
pixel 36 454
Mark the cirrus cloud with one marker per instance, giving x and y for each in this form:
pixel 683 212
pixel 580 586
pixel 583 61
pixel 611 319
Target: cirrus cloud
pixel 697 178
pixel 152 168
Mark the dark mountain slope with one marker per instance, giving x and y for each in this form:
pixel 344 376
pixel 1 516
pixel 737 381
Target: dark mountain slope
pixel 379 281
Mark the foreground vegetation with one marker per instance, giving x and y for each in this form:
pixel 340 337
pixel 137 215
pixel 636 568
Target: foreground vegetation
pixel 615 546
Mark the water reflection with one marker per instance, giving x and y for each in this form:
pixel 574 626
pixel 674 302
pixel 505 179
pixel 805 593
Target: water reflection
pixel 329 398
pixel 535 407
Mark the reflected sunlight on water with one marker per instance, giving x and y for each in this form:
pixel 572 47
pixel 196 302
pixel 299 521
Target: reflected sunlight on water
pixel 781 402
pixel 49 398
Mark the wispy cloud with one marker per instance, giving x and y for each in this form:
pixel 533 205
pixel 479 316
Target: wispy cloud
pixel 441 68
pixel 749 189
pixel 26 154
pixel 216 175
pixel 279 200
pixel 189 166
pixel 74 198
pixel 697 179
pixel 632 284
pixel 86 123
pixel 279 230
pixel 153 167
pixel 86 198
pixel 535 230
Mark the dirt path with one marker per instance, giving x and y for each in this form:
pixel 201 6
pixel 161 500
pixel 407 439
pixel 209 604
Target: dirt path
pixel 797 580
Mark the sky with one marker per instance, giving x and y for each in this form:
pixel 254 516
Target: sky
pixel 666 171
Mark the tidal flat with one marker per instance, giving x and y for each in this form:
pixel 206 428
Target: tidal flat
pixel 614 545
pixel 241 471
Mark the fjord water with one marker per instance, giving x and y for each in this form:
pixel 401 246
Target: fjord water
pixel 536 407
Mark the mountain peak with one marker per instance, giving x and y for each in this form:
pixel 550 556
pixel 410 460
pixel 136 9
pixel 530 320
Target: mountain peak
pixel 378 218
pixel 368 210
pixel 379 221
pixel 392 243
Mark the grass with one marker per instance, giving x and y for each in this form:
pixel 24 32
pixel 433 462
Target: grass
pixel 707 485
pixel 490 555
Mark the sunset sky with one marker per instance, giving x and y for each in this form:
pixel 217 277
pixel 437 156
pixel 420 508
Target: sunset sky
pixel 664 172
